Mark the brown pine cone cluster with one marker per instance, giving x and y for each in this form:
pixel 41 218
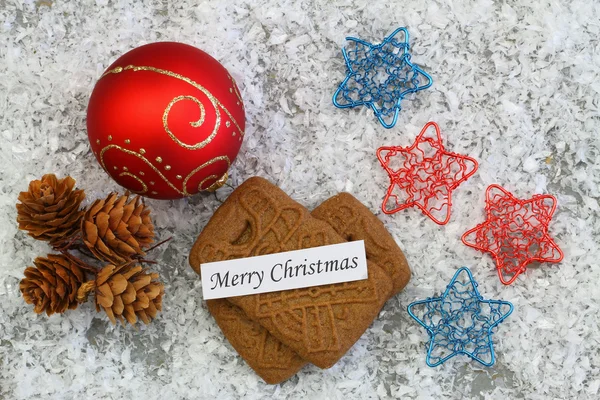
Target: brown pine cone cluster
pixel 128 292
pixel 49 210
pixel 117 230
pixel 52 285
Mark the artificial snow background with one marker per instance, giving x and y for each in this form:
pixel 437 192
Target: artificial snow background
pixel 516 85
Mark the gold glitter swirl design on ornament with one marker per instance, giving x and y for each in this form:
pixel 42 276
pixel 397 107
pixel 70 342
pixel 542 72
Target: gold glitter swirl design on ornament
pixel 182 191
pixel 144 159
pixel 141 182
pixel 194 124
pixel 206 164
pixel 214 101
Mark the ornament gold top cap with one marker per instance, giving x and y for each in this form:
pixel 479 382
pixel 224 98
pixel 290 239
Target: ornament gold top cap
pixel 220 182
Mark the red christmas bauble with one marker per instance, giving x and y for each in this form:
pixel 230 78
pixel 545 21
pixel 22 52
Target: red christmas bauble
pixel 166 120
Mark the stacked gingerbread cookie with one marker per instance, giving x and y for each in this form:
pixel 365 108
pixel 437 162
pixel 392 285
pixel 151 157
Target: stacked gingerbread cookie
pixel 277 333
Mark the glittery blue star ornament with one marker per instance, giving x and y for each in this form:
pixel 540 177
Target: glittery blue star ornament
pixel 380 76
pixel 460 321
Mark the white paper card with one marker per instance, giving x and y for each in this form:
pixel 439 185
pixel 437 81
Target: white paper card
pixel 316 266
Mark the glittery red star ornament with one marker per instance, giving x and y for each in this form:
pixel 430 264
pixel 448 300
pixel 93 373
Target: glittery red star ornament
pixel 424 175
pixel 515 232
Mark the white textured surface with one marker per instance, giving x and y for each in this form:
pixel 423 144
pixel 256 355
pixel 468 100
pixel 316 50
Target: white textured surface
pixel 516 85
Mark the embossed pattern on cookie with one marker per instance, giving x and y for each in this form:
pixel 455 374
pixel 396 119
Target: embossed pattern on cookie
pixel 354 221
pixel 271 359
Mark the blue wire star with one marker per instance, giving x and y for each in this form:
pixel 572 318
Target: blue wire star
pixel 460 321
pixel 380 76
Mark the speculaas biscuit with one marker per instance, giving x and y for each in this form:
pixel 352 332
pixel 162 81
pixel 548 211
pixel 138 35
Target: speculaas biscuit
pixel 352 220
pixel 272 360
pixel 321 323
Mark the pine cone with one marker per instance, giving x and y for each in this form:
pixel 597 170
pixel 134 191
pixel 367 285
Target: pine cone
pixel 128 293
pixel 52 284
pixel 117 231
pixel 49 210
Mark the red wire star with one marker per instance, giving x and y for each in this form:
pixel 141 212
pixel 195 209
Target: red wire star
pixel 515 232
pixel 424 175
